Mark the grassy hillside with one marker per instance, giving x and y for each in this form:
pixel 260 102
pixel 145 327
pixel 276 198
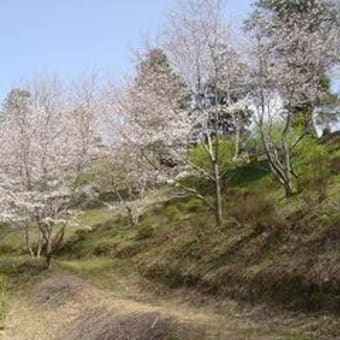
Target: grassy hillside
pixel 270 249
pixel 279 252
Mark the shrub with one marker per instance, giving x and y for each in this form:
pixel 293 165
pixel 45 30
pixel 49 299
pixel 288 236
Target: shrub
pixel 253 208
pixel 173 213
pixel 82 234
pixel 193 205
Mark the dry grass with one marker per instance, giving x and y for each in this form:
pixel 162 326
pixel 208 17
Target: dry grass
pixel 64 307
pixel 57 291
pixel 99 323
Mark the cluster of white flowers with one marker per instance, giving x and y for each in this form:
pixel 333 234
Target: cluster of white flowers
pixel 48 136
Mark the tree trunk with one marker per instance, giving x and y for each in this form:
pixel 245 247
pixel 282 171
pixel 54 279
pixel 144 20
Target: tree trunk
pixel 283 176
pixel 48 254
pixel 288 185
pixel 48 261
pixel 288 189
pixel 132 217
pixel 280 168
pixel 40 245
pixel 28 242
pixel 48 246
pixel 218 196
pixel 237 144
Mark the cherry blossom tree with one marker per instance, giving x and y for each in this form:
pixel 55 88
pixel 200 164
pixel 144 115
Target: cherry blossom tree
pixel 84 119
pixel 201 49
pixel 149 113
pixel 192 97
pixel 44 149
pixel 290 53
pixel 126 174
pixel 148 130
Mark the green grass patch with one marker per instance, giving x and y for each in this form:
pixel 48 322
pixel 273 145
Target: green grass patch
pixel 95 216
pixel 4 303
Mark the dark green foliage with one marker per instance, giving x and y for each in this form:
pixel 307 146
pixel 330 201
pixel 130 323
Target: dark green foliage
pixel 156 63
pixel 248 175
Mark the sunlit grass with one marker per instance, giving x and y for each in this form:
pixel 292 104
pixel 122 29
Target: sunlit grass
pixel 95 216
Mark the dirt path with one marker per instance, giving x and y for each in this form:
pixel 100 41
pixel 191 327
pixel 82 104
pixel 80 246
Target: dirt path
pixel 65 307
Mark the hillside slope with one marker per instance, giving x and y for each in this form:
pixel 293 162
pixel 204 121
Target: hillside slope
pixel 270 249
pixel 271 271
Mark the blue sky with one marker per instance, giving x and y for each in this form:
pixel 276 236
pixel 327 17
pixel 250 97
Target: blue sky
pixel 69 37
